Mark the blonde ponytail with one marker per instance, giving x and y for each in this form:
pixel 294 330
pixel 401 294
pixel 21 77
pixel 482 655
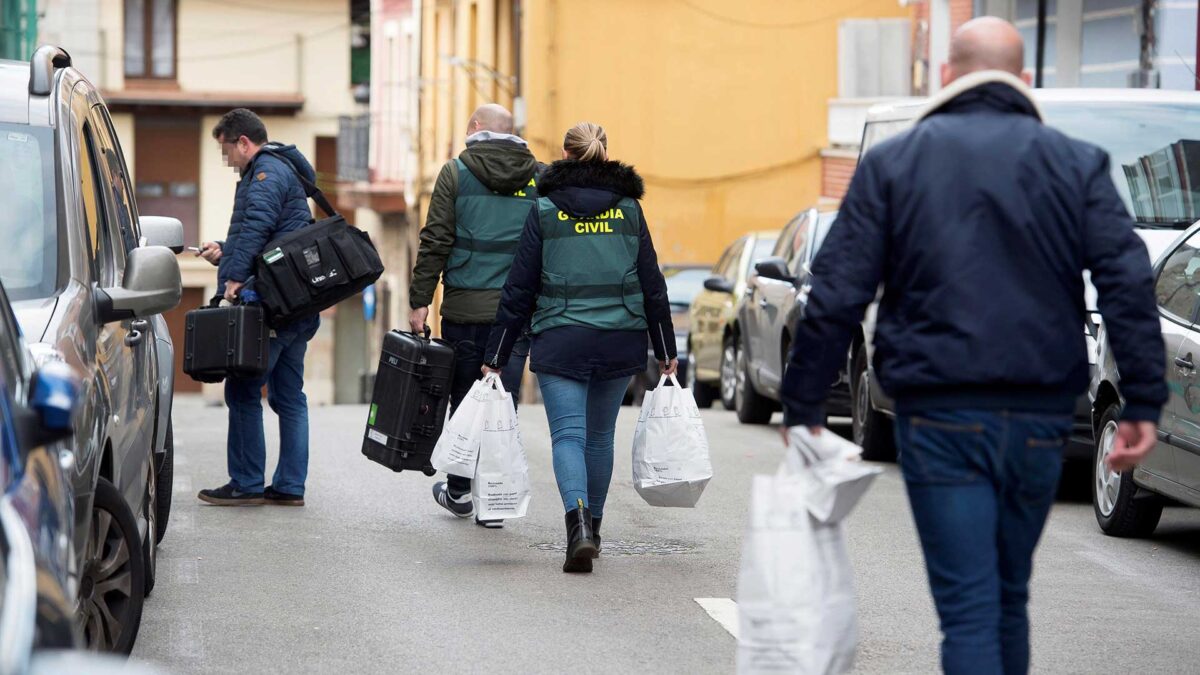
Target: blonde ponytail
pixel 586 142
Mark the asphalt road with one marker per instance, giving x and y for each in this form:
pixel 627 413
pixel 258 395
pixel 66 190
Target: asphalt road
pixel 372 576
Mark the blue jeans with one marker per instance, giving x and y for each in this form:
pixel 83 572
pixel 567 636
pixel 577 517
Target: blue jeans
pixel 247 448
pixel 469 340
pixel 583 419
pixel 981 484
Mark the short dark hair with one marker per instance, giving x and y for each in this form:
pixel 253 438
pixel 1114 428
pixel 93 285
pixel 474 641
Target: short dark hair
pixel 241 122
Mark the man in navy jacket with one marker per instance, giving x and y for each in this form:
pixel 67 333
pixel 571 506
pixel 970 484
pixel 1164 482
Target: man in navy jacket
pixel 270 201
pixel 979 224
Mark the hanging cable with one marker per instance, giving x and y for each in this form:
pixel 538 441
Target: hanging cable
pixel 773 26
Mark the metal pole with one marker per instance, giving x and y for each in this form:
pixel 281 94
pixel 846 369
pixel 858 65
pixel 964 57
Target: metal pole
pixel 1041 43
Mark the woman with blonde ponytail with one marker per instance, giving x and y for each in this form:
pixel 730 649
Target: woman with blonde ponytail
pixel 587 278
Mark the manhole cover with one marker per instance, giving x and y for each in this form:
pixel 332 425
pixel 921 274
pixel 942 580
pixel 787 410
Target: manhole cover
pixel 619 547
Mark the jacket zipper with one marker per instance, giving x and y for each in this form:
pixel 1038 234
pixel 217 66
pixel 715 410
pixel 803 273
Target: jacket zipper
pixel 496 356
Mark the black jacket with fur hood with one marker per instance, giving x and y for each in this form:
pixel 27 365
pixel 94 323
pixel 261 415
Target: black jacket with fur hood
pixel 582 189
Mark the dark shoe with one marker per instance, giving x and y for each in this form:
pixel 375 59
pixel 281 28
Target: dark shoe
pixel 489 524
pixel 277 498
pixel 459 506
pixel 227 495
pixel 580 546
pixel 596 535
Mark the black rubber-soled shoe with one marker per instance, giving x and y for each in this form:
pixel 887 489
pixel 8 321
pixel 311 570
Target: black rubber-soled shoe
pixel 596 534
pixel 580 546
pixel 459 506
pixel 276 498
pixel 227 495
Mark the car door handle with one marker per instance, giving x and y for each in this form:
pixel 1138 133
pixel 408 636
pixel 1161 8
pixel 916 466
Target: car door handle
pixel 134 338
pixel 140 325
pixel 763 303
pixel 1185 362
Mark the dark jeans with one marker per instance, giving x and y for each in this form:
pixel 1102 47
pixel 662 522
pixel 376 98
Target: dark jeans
pixel 469 341
pixel 981 484
pixel 246 446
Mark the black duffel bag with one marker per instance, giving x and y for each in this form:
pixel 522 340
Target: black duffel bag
pixel 305 271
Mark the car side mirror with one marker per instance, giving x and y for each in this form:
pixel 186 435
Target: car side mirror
pixel 151 286
pixel 718 284
pixel 774 268
pixel 162 231
pixel 53 397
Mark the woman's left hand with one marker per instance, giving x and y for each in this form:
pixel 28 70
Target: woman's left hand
pixel 668 368
pixel 487 370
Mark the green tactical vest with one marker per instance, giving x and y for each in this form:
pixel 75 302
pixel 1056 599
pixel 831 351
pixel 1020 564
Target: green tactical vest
pixel 487 230
pixel 589 269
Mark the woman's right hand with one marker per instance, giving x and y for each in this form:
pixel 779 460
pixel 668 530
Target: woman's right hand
pixel 668 368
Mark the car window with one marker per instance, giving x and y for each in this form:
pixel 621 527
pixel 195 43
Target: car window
pixel 121 188
pixel 733 256
pixel 12 356
pixel 91 186
pixel 115 216
pixel 798 239
pixel 877 132
pixel 29 218
pixel 684 283
pixel 1177 288
pixel 795 233
pixel 762 249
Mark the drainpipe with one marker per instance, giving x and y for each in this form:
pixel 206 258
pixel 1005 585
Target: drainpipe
pixel 1040 62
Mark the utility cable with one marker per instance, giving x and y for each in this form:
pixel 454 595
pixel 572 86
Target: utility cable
pixel 734 21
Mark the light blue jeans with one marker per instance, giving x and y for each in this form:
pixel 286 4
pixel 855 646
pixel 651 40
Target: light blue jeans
pixel 583 419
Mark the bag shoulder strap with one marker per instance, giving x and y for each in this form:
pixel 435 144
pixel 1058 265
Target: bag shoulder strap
pixel 310 188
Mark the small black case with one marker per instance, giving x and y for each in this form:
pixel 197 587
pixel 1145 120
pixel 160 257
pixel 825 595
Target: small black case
pixel 220 342
pixel 408 406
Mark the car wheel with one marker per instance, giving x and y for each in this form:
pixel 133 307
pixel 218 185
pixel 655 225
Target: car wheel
pixel 150 512
pixel 166 483
pixel 872 430
pixel 751 407
pixel 114 574
pixel 1120 511
pixel 729 374
pixel 701 392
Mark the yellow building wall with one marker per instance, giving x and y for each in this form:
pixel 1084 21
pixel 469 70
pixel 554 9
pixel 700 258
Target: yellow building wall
pixel 720 106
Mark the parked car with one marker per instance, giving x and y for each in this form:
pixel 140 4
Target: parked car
pixel 1129 504
pixel 713 321
pixel 87 279
pixel 37 603
pixel 684 282
pixel 768 312
pixel 1139 128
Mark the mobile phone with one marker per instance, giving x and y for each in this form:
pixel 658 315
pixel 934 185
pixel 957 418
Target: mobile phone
pixel 194 248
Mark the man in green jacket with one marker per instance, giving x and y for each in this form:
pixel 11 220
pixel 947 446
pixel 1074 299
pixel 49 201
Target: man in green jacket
pixel 476 214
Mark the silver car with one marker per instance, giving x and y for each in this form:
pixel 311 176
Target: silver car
pixel 87 279
pixel 1130 504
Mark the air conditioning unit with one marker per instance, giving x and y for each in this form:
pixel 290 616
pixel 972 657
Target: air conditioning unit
pixel 874 58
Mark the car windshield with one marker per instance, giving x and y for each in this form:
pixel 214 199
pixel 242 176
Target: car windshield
pixel 28 218
pixel 684 283
pixel 762 249
pixel 1155 160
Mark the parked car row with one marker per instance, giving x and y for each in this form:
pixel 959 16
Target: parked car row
pixel 85 370
pixel 1147 135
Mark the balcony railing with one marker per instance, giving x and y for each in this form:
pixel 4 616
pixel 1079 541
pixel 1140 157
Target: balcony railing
pixel 353 148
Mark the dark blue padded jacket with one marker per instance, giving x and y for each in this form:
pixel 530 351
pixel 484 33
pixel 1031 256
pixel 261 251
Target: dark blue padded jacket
pixel 979 223
pixel 270 200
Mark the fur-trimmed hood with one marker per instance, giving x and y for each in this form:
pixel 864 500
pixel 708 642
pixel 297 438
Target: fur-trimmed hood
pixel 995 88
pixel 608 175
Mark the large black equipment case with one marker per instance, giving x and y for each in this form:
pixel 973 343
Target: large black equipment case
pixel 311 269
pixel 408 406
pixel 225 341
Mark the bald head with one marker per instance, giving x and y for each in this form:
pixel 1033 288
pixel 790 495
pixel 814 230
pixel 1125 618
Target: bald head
pixel 491 117
pixel 986 43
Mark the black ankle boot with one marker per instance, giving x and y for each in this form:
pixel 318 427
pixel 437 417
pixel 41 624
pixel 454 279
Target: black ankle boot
pixel 596 535
pixel 580 546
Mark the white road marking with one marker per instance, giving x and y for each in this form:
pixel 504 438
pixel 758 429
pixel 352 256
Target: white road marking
pixel 722 610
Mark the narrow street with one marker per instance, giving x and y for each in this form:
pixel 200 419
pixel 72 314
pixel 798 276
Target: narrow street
pixel 372 576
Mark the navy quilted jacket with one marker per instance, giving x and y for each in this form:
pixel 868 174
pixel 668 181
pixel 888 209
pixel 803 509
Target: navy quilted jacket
pixel 269 201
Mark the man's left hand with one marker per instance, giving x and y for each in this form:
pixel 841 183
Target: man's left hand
pixel 232 288
pixel 787 441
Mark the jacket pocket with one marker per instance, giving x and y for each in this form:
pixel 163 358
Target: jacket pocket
pixel 552 300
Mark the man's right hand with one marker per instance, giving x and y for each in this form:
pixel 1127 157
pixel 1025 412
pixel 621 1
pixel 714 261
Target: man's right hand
pixel 416 319
pixel 210 251
pixel 1134 441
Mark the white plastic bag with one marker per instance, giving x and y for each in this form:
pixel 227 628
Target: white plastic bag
pixel 670 450
pixel 501 486
pixel 457 449
pixel 796 587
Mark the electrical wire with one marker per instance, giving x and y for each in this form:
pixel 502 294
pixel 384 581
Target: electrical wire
pixel 733 21
pixel 217 56
pixel 276 9
pixel 703 181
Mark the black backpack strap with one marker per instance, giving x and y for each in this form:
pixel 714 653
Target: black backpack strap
pixel 310 188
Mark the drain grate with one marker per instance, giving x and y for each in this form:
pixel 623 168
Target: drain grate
pixel 618 547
